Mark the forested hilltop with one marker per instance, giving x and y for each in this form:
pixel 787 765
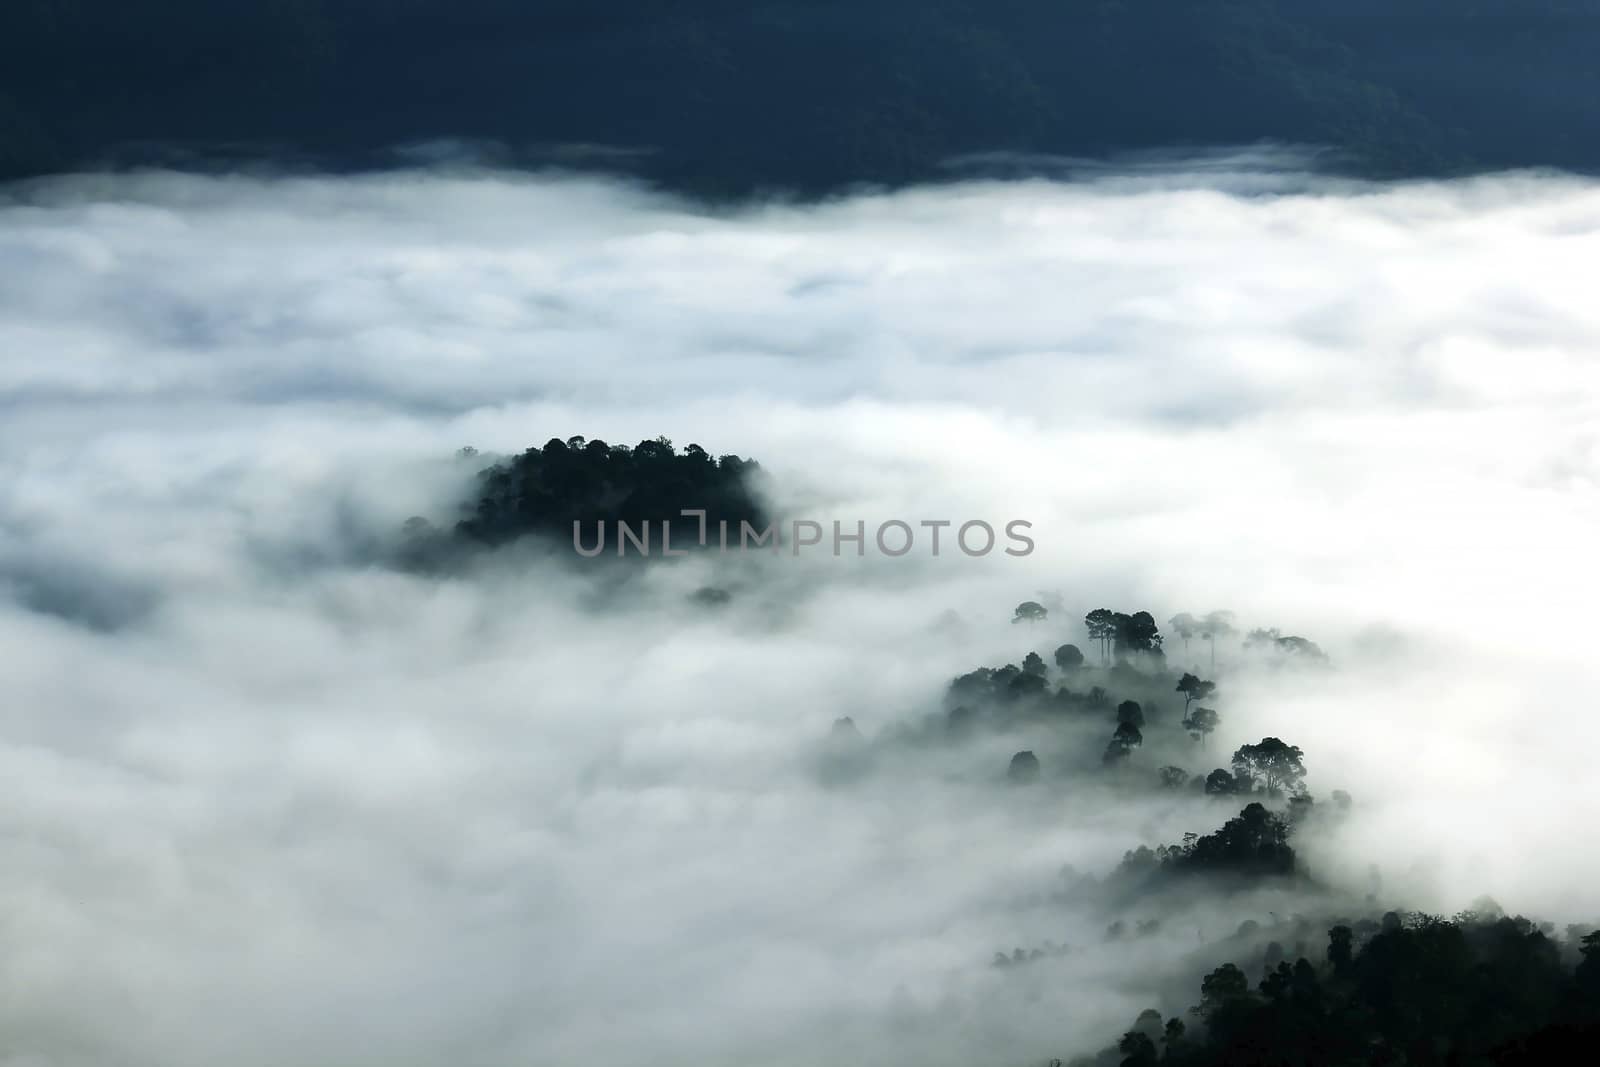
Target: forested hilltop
pixel 1417 990
pixel 728 97
pixel 548 493
pixel 1337 983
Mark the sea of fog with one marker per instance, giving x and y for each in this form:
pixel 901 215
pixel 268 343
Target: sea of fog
pixel 269 799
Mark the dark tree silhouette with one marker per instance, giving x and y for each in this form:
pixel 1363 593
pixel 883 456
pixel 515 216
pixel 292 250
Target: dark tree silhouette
pixel 1135 633
pixel 1255 842
pixel 1131 713
pixel 1589 970
pixel 1030 611
pixel 1102 626
pixel 545 491
pixel 1126 738
pixel 1024 767
pixel 1417 990
pixel 1221 783
pixel 1138 1050
pixel 1220 988
pixel 1069 657
pixel 1006 685
pixel 1201 723
pixel 1280 767
pixel 1193 689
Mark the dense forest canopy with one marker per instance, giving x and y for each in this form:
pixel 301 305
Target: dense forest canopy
pixel 722 96
pixel 586 482
pixel 1418 990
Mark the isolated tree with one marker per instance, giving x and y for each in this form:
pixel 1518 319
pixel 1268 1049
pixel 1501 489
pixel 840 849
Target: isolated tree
pixel 1193 688
pixel 1201 723
pixel 1280 767
pixel 1185 626
pixel 1215 625
pixel 1123 742
pixel 1024 767
pixel 1030 611
pixel 1299 646
pixel 1173 777
pixel 1102 626
pixel 1131 713
pixel 1033 663
pixel 1069 657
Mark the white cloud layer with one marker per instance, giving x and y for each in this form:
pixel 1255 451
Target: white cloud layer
pixel 268 802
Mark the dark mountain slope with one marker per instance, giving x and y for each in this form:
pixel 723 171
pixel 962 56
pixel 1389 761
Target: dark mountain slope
pixel 727 96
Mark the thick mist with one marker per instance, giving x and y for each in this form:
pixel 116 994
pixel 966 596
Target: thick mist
pixel 272 799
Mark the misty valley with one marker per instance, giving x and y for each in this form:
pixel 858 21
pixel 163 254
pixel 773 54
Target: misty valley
pixel 1262 734
pixel 1320 968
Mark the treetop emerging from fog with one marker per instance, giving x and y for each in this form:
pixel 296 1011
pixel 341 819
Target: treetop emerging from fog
pixel 546 490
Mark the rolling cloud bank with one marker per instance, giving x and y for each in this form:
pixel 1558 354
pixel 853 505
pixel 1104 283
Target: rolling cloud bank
pixel 273 799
